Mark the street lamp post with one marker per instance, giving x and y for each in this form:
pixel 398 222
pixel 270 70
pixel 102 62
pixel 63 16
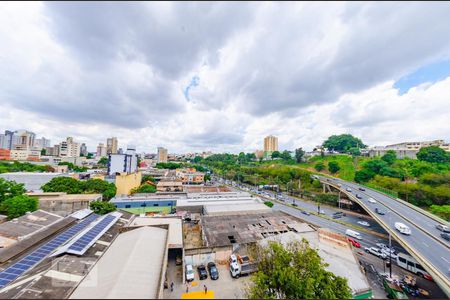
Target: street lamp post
pixel 390 247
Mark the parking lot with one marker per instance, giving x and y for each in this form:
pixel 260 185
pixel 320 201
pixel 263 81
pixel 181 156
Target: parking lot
pixel 225 287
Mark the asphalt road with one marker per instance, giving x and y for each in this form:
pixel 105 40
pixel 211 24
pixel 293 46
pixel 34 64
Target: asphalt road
pixel 424 239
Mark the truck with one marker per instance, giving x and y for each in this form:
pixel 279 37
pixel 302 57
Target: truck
pixel 242 268
pixel 393 290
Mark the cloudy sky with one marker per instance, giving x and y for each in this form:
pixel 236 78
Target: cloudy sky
pixel 221 76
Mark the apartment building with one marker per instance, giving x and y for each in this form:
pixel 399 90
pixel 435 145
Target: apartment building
pixel 111 145
pixel 270 144
pixel 101 150
pixel 162 154
pixel 69 148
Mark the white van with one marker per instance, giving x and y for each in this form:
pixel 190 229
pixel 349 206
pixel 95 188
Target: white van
pixel 353 233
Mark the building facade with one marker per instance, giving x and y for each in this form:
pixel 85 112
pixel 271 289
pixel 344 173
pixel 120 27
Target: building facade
pixel 162 154
pixel 101 150
pixel 42 143
pixel 270 144
pixel 69 148
pixel 407 149
pixel 83 150
pixel 111 145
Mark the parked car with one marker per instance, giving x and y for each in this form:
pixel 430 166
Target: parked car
pixel 305 212
pixel 379 211
pixel 337 216
pixel 213 272
pixel 371 200
pixel 202 274
pixel 445 236
pixel 402 228
pixel 348 189
pixel 386 252
pixel 443 228
pixel 381 245
pixel 358 196
pixel 375 251
pixel 354 243
pixel 363 223
pixel 361 189
pixel 189 273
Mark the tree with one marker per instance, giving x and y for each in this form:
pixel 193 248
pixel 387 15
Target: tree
pixel 276 154
pixel 197 159
pixel 18 205
pixel 389 157
pixel 43 151
pixel 107 189
pixel 286 155
pixel 375 165
pixel 363 176
pixel 343 143
pixel 146 188
pixel 89 156
pixel 433 154
pixel 101 207
pixel 207 177
pixel 333 167
pixel 146 178
pixel 354 151
pixel 295 271
pixel 103 161
pixel 319 166
pixel 299 153
pixel 9 189
pixel 63 184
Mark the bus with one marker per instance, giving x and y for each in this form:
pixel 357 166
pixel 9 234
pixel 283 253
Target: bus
pixel 408 262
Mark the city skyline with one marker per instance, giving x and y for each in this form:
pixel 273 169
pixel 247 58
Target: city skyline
pixel 317 70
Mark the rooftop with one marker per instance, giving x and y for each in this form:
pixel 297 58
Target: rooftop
pixel 130 269
pixel 65 197
pixel 175 239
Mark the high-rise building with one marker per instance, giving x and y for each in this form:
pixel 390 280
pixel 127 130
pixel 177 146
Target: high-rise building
pixel 2 141
pixel 270 144
pixel 101 150
pixel 10 139
pixel 42 143
pixel 111 145
pixel 123 163
pixel 162 154
pixel 69 148
pixel 83 150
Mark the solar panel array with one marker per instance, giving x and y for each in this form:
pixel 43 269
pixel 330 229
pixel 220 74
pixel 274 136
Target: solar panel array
pixel 81 245
pixel 39 254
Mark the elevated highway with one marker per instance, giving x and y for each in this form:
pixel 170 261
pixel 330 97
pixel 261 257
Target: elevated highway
pixel 425 243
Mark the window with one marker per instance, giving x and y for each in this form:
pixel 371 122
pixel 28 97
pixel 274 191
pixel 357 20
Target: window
pixel 156 204
pixel 420 267
pixel 143 205
pixel 410 264
pixel 401 259
pixel 127 206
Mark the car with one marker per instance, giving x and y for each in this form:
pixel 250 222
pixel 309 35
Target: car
pixel 294 204
pixel 445 236
pixel 358 196
pixel 202 274
pixel 337 216
pixel 402 228
pixel 375 251
pixel 339 185
pixel 379 211
pixel 387 253
pixel 443 228
pixel 363 223
pixel 321 211
pixel 361 189
pixel 189 273
pixel 348 189
pixel 371 200
pixel 305 213
pixel 354 243
pixel 381 245
pixel 213 272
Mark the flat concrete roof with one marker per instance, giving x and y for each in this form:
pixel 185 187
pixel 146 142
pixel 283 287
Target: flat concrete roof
pixel 175 239
pixel 222 209
pixel 65 197
pixel 25 225
pixel 130 269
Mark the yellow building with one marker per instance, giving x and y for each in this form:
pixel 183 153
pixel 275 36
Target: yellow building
pixel 270 143
pixel 126 182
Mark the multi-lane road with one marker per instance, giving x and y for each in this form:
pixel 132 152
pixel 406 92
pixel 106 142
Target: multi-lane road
pixel 424 243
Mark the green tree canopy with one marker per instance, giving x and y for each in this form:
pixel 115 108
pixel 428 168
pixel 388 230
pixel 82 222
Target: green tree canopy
pixel 276 154
pixel 146 178
pixel 144 188
pixel 103 161
pixel 333 167
pixel 299 153
pixel 68 185
pixel 102 207
pixel 363 176
pixel 343 143
pixel 354 151
pixel 286 155
pixel 18 205
pixel 9 189
pixel 375 165
pixel 294 272
pixel 319 166
pixel 168 165
pixel 389 157
pixel 433 154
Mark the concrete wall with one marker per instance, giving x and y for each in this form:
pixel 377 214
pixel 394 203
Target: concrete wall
pixel 126 182
pixel 199 256
pixel 150 203
pixel 64 208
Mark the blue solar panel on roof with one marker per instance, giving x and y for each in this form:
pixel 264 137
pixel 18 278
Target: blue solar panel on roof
pixel 37 255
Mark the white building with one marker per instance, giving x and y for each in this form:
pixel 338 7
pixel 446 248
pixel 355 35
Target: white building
pixel 42 143
pixel 101 150
pixel 120 163
pixel 69 148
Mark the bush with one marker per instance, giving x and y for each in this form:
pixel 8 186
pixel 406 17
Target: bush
pixel 101 207
pixel 363 176
pixel 18 205
pixel 319 166
pixel 268 203
pixel 333 167
pixel 441 210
